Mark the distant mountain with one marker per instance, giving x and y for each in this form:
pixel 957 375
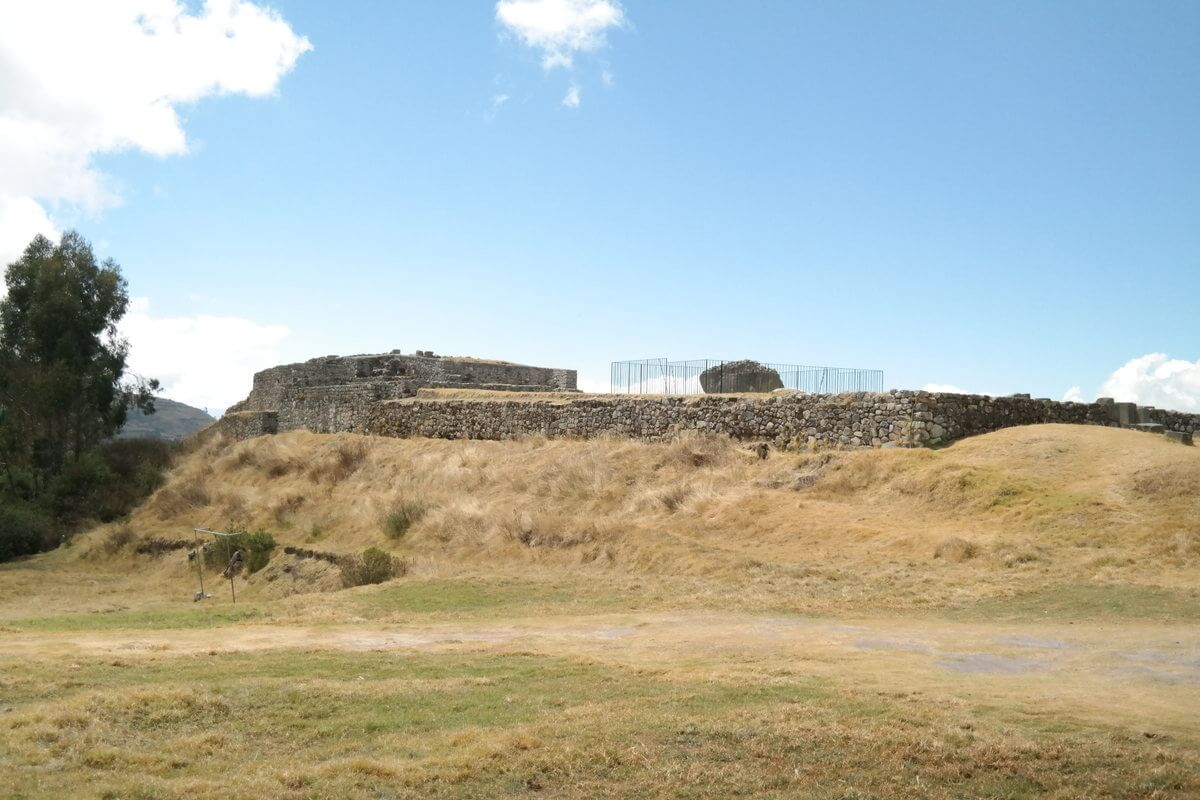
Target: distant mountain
pixel 171 421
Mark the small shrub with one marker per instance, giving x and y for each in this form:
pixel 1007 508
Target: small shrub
pixel 255 547
pixel 25 530
pixel 371 566
pixel 403 516
pixel 118 539
pixel 956 550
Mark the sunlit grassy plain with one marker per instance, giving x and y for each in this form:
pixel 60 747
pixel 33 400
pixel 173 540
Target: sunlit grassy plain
pixel 1013 616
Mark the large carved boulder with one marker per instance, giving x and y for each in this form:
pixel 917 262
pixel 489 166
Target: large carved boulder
pixel 740 376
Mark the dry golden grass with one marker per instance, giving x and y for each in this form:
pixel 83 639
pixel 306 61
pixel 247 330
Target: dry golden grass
pixel 1004 513
pixel 291 725
pixel 1014 616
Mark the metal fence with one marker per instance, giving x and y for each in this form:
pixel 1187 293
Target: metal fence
pixel 711 376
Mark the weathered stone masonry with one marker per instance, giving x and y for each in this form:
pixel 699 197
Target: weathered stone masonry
pixel 375 394
pixel 897 418
pixel 335 393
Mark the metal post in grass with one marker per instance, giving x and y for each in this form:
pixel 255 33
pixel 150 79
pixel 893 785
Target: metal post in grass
pixel 199 561
pixel 230 559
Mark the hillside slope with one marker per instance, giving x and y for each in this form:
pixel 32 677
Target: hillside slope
pixel 172 421
pixel 1012 511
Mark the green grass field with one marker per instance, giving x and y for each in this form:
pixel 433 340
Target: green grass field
pixel 381 724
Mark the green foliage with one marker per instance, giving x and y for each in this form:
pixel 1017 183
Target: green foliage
pixel 68 493
pixel 255 548
pixel 62 362
pixel 403 516
pixel 107 483
pixel 24 530
pixel 64 392
pixel 372 566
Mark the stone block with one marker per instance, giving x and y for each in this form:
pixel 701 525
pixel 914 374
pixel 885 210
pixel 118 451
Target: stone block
pixel 1149 427
pixel 1125 413
pixel 1183 437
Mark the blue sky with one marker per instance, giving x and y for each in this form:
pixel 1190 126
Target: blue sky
pixel 997 196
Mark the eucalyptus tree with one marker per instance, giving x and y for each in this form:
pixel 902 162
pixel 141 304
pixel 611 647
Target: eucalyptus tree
pixel 63 381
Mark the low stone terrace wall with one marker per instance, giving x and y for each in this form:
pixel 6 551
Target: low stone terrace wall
pixel 860 419
pixel 897 418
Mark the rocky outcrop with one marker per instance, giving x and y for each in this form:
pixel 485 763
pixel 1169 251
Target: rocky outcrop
pixel 334 393
pixel 729 377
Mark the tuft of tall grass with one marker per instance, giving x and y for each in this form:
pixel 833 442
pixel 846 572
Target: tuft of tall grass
pixel 402 516
pixel 118 539
pixel 956 549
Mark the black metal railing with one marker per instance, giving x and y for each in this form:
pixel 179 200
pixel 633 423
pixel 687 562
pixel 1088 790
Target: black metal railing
pixel 712 376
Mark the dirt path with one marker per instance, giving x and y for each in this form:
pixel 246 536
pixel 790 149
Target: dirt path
pixel 1170 655
pixel 1147 676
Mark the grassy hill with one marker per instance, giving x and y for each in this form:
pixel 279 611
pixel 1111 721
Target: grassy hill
pixel 1016 510
pixel 1014 616
pixel 171 420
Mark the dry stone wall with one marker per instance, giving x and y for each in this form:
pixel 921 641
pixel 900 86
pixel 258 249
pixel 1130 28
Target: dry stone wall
pixel 249 424
pixel 375 395
pixel 897 418
pixel 849 419
pixel 335 393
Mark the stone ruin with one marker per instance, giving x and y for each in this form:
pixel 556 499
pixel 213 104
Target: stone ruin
pixel 378 395
pixel 739 376
pixel 334 393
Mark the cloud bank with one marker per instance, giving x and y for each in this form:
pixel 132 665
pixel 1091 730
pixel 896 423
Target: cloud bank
pixel 80 78
pixel 1156 379
pixel 204 361
pixel 560 28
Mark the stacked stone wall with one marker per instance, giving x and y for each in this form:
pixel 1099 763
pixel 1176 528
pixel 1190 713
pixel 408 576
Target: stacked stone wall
pixel 897 418
pixel 375 394
pixel 335 393
pixel 859 419
pixel 248 424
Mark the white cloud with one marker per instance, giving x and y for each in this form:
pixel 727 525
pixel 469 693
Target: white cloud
pixel 204 361
pixel 592 385
pixel 1074 395
pixel 608 79
pixel 20 219
pixel 79 78
pixel 498 102
pixel 948 388
pixel 1156 380
pixel 561 28
pixel 572 98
